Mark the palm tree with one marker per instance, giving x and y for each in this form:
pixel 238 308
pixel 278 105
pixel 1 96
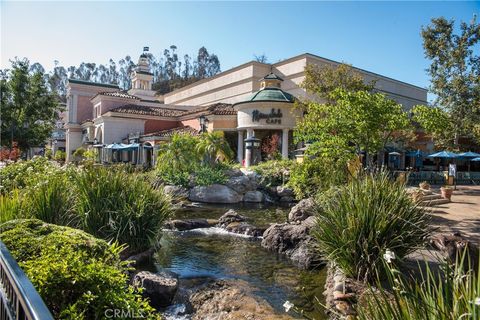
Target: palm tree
pixel 214 147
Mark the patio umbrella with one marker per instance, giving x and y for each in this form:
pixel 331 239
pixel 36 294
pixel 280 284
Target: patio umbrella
pixel 476 159
pixel 444 154
pixel 469 154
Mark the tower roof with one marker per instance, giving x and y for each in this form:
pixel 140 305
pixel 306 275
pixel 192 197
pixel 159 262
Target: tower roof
pixel 269 94
pixel 271 76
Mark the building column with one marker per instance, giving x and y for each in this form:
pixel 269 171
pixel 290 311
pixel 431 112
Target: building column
pixel 285 144
pixel 248 152
pixel 240 146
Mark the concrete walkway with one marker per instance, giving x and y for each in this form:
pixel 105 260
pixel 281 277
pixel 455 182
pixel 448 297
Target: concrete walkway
pixel 461 215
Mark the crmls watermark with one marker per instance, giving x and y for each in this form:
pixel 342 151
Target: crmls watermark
pixel 124 313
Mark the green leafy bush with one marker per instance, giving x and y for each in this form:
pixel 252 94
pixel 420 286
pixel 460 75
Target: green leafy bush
pixel 112 204
pixel 206 175
pixel 77 275
pixel 453 292
pixel 315 175
pixel 48 153
pixel 24 173
pixel 187 158
pixel 275 172
pixel 369 215
pixel 60 155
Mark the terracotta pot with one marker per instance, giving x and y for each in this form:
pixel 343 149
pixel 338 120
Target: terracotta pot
pixel 446 193
pixel 424 186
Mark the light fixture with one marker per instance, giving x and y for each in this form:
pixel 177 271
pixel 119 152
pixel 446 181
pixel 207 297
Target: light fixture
pixel 95 141
pixel 203 123
pixel 252 142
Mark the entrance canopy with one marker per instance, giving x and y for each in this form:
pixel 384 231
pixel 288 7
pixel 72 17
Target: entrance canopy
pixel 123 146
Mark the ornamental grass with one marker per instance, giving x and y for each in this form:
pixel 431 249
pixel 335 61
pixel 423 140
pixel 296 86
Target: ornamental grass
pixel 115 205
pixel 364 218
pixel 450 293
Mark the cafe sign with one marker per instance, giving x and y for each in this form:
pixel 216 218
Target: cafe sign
pixel 274 117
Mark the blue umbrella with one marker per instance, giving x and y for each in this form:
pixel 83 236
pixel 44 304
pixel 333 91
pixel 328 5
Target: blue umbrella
pixel 476 159
pixel 444 154
pixel 469 154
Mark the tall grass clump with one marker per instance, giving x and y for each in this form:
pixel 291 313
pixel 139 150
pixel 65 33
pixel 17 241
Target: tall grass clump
pixel 51 200
pixel 115 205
pixel 10 206
pixel 363 219
pixel 451 293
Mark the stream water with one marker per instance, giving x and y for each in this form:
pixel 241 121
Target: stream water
pixel 214 253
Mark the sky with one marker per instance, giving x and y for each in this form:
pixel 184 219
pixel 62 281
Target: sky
pixel 382 37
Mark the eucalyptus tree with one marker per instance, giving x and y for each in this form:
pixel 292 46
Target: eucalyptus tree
pixel 455 73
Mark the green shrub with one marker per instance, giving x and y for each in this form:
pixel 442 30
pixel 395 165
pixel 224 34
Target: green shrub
pixel 451 293
pixel 112 204
pixel 213 148
pixel 314 175
pixel 24 173
pixel 206 175
pixel 357 224
pixel 48 153
pixel 274 173
pixel 79 152
pixel 60 155
pixel 77 275
pixel 201 158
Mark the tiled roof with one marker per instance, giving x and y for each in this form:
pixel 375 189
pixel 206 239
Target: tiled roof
pixel 269 94
pixel 118 94
pixel 271 76
pixel 171 132
pixel 148 111
pixel 216 109
pixel 93 83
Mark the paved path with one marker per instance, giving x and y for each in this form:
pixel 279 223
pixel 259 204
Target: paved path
pixel 461 215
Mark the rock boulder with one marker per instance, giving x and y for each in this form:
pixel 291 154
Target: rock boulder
pixel 160 288
pixel 216 193
pixel 253 196
pixel 189 224
pixel 244 228
pixel 241 184
pixel 294 241
pixel 302 210
pixel 284 191
pixel 230 300
pixel 229 217
pixel 176 192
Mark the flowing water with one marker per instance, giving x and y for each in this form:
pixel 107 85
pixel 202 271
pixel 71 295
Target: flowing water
pixel 214 253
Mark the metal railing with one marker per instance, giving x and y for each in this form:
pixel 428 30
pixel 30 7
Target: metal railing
pixel 18 298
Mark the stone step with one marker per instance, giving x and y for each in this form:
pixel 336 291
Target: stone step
pixel 434 202
pixel 432 196
pixel 426 192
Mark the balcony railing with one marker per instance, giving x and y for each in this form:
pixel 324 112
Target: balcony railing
pixel 18 298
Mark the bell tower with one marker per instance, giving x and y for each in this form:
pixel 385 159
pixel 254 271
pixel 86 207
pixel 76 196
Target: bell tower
pixel 142 78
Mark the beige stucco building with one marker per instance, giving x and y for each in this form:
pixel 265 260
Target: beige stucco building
pixel 253 99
